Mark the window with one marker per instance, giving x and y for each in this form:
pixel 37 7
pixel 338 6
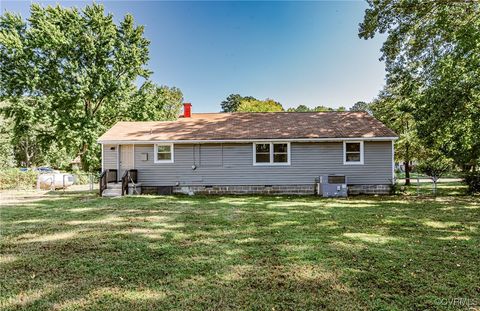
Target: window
pixel 271 153
pixel 163 153
pixel 280 153
pixel 353 152
pixel 262 154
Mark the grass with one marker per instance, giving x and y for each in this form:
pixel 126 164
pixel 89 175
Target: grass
pixel 78 251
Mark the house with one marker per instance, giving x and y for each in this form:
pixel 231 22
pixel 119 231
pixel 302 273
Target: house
pixel 280 152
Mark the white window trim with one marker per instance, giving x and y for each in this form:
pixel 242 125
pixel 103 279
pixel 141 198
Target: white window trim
pixel 271 163
pixel 155 154
pixel 345 153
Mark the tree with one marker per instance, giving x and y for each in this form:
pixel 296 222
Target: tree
pixel 254 105
pixel 396 113
pixel 435 165
pixel 29 129
pixel 434 46
pixel 6 147
pixel 323 109
pixel 300 108
pixel 156 103
pixel 233 101
pixel 303 108
pixel 28 124
pixel 395 107
pixel 76 66
pixel 361 106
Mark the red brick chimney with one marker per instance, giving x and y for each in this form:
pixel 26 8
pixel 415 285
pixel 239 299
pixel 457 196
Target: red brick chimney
pixel 187 110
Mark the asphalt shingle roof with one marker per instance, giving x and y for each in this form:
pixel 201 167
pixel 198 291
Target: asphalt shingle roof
pixel 242 126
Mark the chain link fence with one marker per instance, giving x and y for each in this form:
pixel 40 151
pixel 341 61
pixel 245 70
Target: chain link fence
pixel 16 179
pixel 68 181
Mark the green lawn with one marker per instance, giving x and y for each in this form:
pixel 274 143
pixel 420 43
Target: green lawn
pixel 78 251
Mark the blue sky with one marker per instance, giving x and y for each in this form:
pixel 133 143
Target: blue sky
pixel 294 52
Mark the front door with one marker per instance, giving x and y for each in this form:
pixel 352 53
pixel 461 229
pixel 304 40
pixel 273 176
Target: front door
pixel 126 159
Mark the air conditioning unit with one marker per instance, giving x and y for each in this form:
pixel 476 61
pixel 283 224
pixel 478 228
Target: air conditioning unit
pixel 332 186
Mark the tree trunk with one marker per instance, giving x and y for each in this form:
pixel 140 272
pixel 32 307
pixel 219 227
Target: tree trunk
pixel 81 154
pixel 407 173
pixel 28 156
pixel 407 164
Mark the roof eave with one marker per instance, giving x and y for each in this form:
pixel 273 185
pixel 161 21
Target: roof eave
pixel 197 141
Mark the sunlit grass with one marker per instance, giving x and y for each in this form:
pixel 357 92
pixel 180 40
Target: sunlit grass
pixel 79 252
pixel 371 237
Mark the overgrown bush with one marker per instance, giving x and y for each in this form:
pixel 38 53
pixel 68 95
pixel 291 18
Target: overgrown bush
pixel 472 180
pixel 13 178
pixel 395 188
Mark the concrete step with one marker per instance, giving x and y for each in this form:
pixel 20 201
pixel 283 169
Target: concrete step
pixel 114 185
pixel 118 185
pixel 112 192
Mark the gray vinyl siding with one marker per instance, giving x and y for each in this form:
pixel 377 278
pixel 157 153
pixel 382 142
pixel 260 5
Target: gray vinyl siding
pixel 109 157
pixel 211 155
pixel 232 164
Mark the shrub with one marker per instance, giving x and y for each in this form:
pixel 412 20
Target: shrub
pixel 472 180
pixel 394 189
pixel 13 178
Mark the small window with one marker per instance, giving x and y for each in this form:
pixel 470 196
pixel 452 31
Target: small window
pixel 271 154
pixel 280 153
pixel 262 154
pixel 353 152
pixel 163 153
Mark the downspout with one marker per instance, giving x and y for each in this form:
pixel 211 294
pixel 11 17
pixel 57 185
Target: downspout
pixel 393 162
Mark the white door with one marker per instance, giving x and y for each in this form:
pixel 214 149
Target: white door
pixel 126 159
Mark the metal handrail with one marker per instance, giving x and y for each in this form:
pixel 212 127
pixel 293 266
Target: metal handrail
pixel 134 183
pixel 106 177
pixel 129 176
pixel 103 181
pixel 125 178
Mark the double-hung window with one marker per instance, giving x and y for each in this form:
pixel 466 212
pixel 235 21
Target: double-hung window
pixel 352 152
pixel 271 153
pixel 163 153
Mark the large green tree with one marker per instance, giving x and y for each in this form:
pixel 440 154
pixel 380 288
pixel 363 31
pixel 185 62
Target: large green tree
pixel 74 69
pixel 255 105
pixel 361 106
pixel 156 103
pixel 320 108
pixel 396 112
pixel 29 130
pixel 233 101
pixel 6 147
pixel 434 46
